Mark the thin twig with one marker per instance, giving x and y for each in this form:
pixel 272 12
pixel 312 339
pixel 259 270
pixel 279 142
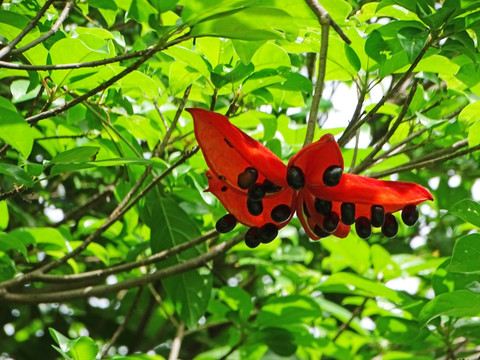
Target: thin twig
pixel 378 146
pixel 356 312
pixel 160 150
pixel 7 49
pixel 354 125
pixel 416 164
pixel 177 342
pixel 52 31
pixel 124 323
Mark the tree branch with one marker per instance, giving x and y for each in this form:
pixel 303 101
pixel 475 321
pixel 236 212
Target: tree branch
pixel 100 290
pixel 52 31
pixel 325 19
pixel 7 49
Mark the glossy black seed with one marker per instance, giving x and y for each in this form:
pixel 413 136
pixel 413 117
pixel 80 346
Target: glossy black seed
pixel 251 238
pixel 305 210
pixel 247 178
pixel 320 232
pixel 295 178
pixel 377 215
pixel 270 187
pixel 281 213
pixel 410 215
pixel 254 207
pixel 224 188
pixel 267 233
pixel 330 222
pixel 363 227
pixel 256 192
pixel 226 223
pixel 347 211
pixel 332 175
pixel 323 207
pixel 390 226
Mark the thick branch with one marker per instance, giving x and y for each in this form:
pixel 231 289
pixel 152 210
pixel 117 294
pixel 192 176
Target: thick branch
pixel 319 85
pixel 101 290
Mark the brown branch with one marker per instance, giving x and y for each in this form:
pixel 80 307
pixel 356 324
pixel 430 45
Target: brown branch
pixel 101 290
pixel 7 49
pixel 426 161
pixel 378 146
pixel 325 19
pixel 147 55
pixel 355 125
pixel 177 342
pixel 319 85
pixel 7 65
pixel 52 31
pixel 117 213
pixel 356 312
pixel 103 273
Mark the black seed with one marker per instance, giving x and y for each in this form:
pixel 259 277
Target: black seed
pixel 330 222
pixel 320 232
pixel 377 215
pixel 305 210
pixel 295 178
pixel 254 207
pixel 247 178
pixel 390 226
pixel 251 238
pixel 270 187
pixel 410 215
pixel 224 188
pixel 256 192
pixel 323 207
pixel 267 233
pixel 281 213
pixel 332 175
pixel 226 223
pixel 363 228
pixel 347 211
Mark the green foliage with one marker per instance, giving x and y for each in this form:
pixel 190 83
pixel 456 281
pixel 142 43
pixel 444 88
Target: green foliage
pixel 106 232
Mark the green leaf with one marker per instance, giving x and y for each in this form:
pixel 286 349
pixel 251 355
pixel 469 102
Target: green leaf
pixel 349 283
pixel 78 154
pixel 279 340
pixel 413 40
pixel 466 255
pixel 83 348
pixel 399 330
pixel 352 57
pixel 467 210
pixel 474 135
pixel 375 47
pixel 287 310
pixel 459 303
pixel 255 23
pixel 17 174
pixel 189 58
pixel 237 299
pixel 13 128
pixel 171 226
pixel 8 242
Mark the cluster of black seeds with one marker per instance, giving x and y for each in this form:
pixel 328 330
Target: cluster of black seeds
pixel 256 191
